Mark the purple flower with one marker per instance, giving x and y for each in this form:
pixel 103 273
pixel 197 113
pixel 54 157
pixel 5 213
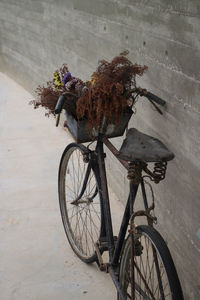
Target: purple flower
pixel 67 77
pixel 71 83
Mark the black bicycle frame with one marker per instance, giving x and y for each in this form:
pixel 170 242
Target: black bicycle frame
pixel 97 162
pixel 114 249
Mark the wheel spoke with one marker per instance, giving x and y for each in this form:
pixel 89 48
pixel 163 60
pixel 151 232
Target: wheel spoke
pixel 82 220
pixel 144 281
pixel 148 268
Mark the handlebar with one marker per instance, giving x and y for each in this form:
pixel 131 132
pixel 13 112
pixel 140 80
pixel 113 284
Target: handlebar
pixel 139 91
pixel 61 101
pixel 59 104
pixel 150 96
pixel 155 98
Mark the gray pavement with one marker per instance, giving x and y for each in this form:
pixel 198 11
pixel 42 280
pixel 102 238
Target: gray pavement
pixel 36 262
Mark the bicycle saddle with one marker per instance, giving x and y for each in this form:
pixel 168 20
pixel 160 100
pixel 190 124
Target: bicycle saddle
pixel 141 147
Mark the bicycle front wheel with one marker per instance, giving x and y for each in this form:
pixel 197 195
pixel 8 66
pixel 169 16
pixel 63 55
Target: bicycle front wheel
pixel 79 202
pixel 155 276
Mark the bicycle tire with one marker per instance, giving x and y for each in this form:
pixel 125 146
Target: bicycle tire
pixel 82 221
pixel 146 283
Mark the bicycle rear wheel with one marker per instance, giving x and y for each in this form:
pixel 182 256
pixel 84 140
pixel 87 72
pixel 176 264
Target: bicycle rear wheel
pixel 80 207
pixel 155 276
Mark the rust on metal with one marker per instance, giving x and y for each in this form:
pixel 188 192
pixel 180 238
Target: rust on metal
pixel 159 171
pixel 102 265
pixel 114 151
pixel 135 172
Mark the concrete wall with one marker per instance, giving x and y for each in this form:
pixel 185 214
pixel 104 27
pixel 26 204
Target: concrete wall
pixel 38 36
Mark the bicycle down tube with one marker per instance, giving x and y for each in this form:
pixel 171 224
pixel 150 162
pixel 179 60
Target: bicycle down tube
pixel 114 257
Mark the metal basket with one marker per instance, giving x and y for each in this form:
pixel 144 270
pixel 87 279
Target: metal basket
pixel 80 131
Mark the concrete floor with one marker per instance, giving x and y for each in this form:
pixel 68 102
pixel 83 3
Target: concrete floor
pixel 36 261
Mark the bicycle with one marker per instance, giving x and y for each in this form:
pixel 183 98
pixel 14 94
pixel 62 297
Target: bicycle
pixel 140 262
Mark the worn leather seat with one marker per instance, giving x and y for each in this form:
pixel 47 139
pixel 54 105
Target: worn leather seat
pixel 141 147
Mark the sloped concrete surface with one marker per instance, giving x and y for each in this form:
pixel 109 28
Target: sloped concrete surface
pixel 36 261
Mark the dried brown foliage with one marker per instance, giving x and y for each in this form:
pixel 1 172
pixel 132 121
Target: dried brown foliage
pixel 104 94
pixel 107 95
pixel 46 97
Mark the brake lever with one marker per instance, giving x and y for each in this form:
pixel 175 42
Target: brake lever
pixel 143 93
pixel 57 120
pixel 156 107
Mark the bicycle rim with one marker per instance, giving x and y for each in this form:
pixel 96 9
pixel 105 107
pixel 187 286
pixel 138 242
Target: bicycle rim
pixel 82 221
pixel 155 276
